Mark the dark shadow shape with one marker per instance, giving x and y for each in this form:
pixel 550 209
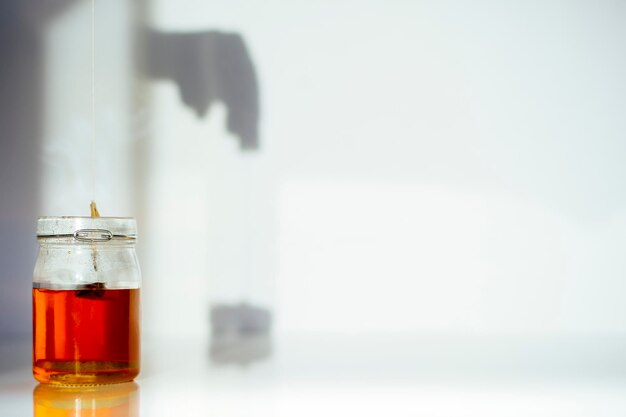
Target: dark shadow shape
pixel 31 14
pixel 22 24
pixel 210 66
pixel 240 334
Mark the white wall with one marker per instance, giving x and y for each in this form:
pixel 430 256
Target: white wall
pixel 425 166
pixel 67 163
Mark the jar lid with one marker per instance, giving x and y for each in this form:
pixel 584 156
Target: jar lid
pixel 87 228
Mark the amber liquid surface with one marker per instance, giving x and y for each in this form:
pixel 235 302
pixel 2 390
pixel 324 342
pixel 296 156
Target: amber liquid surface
pixel 85 336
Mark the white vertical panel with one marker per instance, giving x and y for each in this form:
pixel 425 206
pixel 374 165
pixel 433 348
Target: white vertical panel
pixel 66 144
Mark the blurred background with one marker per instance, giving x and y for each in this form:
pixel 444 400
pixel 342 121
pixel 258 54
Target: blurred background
pixel 406 179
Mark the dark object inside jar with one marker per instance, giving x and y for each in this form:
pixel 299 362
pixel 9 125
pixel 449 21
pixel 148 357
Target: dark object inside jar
pixel 93 290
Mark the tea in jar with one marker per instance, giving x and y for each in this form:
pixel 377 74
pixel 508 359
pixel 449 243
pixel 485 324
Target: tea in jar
pixel 86 307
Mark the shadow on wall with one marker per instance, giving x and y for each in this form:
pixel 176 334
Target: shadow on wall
pixel 240 334
pixel 21 118
pixel 210 66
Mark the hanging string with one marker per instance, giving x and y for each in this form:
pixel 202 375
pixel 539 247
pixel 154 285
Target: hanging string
pixel 93 209
pixel 93 100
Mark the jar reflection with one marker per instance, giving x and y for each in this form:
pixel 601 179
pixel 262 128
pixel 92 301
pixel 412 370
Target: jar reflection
pixel 117 400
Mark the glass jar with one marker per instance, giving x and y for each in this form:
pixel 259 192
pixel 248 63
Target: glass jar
pixel 86 301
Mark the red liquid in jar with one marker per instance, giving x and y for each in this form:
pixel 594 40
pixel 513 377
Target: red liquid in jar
pixel 85 336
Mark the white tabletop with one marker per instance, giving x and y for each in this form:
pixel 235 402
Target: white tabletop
pixel 328 375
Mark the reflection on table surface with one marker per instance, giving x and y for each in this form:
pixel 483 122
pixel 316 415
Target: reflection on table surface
pixel 117 400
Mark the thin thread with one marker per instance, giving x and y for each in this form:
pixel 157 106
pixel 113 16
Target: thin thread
pixel 93 100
